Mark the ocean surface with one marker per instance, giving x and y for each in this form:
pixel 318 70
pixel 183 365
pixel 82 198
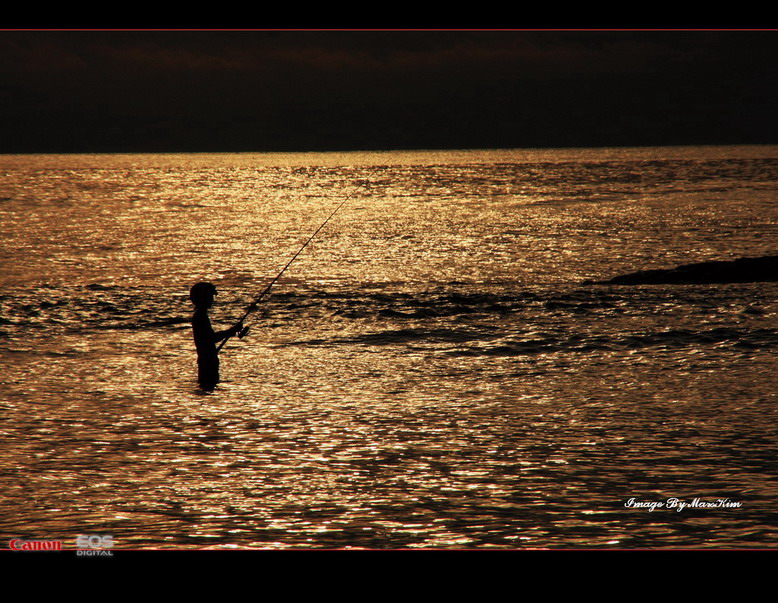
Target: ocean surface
pixel 431 371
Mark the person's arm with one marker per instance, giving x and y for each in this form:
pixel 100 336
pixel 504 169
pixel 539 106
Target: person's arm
pixel 234 330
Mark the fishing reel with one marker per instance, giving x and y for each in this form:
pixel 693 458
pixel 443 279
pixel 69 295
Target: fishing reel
pixel 243 332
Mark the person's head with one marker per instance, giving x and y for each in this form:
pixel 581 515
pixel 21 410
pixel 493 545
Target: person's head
pixel 202 294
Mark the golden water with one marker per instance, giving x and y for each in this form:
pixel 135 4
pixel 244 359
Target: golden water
pixel 430 372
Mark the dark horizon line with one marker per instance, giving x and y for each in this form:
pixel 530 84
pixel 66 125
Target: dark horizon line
pixel 394 149
pixel 326 23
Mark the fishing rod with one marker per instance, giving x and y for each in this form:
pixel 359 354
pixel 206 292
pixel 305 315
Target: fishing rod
pixel 252 306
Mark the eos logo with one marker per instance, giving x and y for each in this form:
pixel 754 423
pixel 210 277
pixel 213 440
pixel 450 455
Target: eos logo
pixel 94 544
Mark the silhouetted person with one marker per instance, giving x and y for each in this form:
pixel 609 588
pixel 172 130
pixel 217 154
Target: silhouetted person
pixel 202 296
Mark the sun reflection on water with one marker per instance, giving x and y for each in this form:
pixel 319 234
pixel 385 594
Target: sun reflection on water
pixel 429 374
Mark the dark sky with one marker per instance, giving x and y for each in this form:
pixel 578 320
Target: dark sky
pixel 113 91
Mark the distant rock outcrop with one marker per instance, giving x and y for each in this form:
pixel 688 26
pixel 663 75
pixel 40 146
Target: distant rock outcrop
pixel 742 270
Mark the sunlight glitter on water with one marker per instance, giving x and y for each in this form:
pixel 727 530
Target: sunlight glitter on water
pixel 430 373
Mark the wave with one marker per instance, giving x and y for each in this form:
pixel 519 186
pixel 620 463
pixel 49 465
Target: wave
pixel 728 337
pixel 458 320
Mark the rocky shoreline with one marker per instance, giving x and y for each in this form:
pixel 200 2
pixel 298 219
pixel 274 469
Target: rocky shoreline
pixel 742 270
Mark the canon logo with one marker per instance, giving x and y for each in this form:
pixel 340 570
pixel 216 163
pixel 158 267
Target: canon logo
pixel 18 544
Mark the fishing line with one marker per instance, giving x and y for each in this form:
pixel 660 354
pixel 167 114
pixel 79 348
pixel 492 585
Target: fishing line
pixel 252 306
